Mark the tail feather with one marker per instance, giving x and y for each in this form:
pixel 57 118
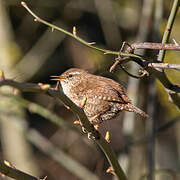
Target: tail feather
pixel 131 108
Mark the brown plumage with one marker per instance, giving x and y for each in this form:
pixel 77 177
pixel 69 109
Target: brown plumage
pixel 105 98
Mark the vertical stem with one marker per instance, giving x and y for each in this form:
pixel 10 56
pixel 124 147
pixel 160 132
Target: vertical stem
pixel 168 28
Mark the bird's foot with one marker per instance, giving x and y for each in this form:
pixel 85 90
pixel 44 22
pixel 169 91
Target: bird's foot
pixel 84 130
pixel 95 120
pixel 90 136
pixel 96 126
pixel 78 122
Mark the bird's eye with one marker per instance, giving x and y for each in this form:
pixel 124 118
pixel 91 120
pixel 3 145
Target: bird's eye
pixel 70 75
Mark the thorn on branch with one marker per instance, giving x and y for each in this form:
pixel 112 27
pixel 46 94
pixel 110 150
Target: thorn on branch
pixel 169 97
pixel 23 3
pixel 74 31
pixel 37 19
pixel 110 170
pixel 78 122
pixel 7 163
pixel 107 52
pixel 44 86
pixel 29 10
pixel 92 43
pixel 143 73
pixel 44 178
pixel 83 102
pixel 107 136
pixel 175 42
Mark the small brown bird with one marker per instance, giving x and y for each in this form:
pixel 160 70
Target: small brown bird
pixel 104 98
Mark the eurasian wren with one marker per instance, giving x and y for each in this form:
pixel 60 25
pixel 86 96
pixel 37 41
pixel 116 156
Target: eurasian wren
pixel 105 98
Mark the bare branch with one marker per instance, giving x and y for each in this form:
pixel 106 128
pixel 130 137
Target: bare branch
pixel 157 46
pixel 45 89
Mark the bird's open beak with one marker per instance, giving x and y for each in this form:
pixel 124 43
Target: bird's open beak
pixel 58 78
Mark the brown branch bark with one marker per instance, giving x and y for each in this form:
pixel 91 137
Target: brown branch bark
pixel 157 46
pixel 45 89
pixel 164 65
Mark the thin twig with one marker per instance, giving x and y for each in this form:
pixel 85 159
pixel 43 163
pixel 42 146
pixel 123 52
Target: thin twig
pixel 133 56
pixel 164 65
pixel 155 46
pixel 90 45
pixel 38 19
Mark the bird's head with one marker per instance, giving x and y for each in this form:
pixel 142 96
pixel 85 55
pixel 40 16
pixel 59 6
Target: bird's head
pixel 71 77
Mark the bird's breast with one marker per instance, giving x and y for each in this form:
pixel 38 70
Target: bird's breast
pixel 75 93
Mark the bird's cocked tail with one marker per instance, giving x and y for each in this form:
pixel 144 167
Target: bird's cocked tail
pixel 131 108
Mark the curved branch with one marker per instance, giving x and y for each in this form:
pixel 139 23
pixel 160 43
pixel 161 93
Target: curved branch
pixel 45 89
pixel 73 35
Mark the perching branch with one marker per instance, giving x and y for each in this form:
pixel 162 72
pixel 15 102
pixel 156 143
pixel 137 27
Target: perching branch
pixel 45 89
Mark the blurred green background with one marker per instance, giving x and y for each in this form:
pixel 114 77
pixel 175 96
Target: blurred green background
pixel 31 52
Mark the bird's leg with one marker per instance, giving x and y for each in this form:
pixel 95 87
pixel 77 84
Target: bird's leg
pixel 90 136
pixel 95 120
pixel 84 130
pixel 78 122
pixel 96 126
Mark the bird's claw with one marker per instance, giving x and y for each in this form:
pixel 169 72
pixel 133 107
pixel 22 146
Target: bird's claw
pixel 84 130
pixel 90 136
